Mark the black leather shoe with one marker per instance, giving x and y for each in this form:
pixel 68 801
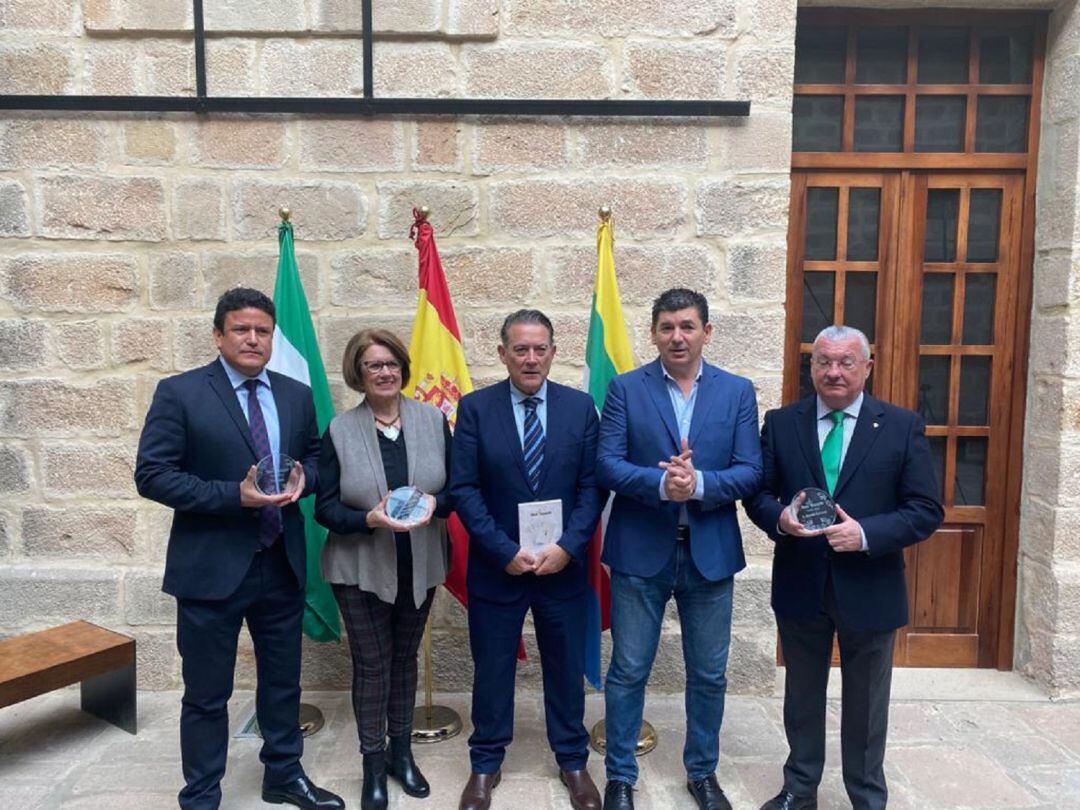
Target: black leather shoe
pixel 402 767
pixel 707 793
pixel 789 801
pixel 303 793
pixel 618 795
pixel 373 791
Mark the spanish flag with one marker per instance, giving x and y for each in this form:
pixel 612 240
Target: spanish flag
pixel 607 353
pixel 439 373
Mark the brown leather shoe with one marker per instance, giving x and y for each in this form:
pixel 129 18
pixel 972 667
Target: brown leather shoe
pixel 477 792
pixel 583 793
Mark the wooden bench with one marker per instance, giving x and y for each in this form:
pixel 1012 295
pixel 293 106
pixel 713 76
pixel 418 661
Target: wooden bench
pixel 100 661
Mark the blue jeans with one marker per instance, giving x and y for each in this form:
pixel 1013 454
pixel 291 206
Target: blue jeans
pixel 637 610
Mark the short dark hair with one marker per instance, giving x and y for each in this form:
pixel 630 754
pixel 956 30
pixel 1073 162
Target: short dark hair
pixel 241 298
pixel 680 298
pixel 351 368
pixel 526 316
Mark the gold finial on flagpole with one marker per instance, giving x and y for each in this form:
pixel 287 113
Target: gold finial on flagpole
pixel 285 213
pixel 425 212
pixel 605 213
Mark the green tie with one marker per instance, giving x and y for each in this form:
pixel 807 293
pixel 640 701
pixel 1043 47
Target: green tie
pixel 831 450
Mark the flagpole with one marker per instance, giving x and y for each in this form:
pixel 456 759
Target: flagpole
pixel 647 737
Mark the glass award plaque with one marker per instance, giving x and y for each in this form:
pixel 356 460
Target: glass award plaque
pixel 407 505
pixel 817 512
pixel 278 476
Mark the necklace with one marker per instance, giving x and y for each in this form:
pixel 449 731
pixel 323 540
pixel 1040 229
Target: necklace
pixel 389 429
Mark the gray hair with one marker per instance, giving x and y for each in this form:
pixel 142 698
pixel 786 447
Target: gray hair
pixel 840 332
pixel 526 316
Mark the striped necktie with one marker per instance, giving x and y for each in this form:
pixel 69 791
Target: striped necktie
pixel 533 443
pixel 269 516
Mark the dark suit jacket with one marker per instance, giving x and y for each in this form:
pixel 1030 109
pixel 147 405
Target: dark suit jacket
pixel 638 431
pixel 886 483
pixel 488 480
pixel 195 449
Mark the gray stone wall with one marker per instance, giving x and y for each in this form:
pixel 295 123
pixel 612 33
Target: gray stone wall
pixel 118 232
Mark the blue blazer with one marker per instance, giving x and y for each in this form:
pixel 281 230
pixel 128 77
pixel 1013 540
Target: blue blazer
pixel 195 449
pixel 887 483
pixel 488 480
pixel 638 431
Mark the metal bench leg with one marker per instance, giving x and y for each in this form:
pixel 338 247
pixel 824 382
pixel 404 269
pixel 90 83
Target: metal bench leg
pixel 112 697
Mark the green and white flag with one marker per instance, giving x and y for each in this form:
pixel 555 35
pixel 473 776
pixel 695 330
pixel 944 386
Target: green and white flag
pixel 296 354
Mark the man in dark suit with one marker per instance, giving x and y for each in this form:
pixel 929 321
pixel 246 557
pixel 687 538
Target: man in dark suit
pixel 678 447
pixel 520 441
pixel 873 458
pixel 235 553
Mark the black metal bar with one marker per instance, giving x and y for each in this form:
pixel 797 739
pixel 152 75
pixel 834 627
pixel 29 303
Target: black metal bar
pixel 112 697
pixel 648 108
pixel 200 48
pixel 369 54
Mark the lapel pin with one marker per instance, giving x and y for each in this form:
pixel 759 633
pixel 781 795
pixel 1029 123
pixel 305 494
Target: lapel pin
pixel 876 424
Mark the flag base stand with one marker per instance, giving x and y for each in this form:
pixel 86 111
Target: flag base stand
pixel 646 741
pixel 432 724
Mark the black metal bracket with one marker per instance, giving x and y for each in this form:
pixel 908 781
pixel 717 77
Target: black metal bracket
pixel 368 105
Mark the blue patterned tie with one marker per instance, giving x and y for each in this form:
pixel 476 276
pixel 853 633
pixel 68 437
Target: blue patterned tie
pixel 533 443
pixel 269 516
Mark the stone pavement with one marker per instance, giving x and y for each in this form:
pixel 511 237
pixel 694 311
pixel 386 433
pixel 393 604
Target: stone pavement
pixel 945 752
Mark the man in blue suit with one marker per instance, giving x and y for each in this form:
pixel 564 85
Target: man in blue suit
pixel 524 440
pixel 678 447
pixel 847 581
pixel 235 553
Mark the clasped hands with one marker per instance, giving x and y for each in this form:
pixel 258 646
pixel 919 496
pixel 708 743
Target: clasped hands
pixel 680 479
pixel 551 559
pixel 377 518
pixel 845 535
pixel 252 498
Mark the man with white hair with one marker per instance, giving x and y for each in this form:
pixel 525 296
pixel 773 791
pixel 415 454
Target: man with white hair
pixel 847 579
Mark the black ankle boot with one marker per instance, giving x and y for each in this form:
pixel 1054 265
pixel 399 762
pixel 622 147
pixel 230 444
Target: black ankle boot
pixel 373 793
pixel 402 767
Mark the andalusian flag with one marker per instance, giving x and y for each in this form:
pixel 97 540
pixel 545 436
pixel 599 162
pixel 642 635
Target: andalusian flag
pixel 296 354
pixel 607 353
pixel 439 373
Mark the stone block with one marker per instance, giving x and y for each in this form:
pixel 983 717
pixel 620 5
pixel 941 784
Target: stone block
pixel 238 142
pixel 193 342
pixel 757 269
pixel 142 340
pixel 373 278
pixel 80 345
pixel 1049 353
pixel 112 208
pixel 37 69
pixel 739 207
pixel 769 396
pixel 103 469
pixel 258 269
pixel 477 19
pixel 48 16
pixel 52 143
pixel 351 144
pixel 642 272
pixel 321 211
pixel 773 17
pixel 150 142
pixel 14 220
pixel 320 68
pixel 748 343
pixel 764 75
pixel 1058 280
pixel 136 15
pixel 169 68
pixel 144 603
pixel 198 210
pixel 643 145
pixel 336 331
pixel 519 146
pixel 157 667
pixel 454 207
pixel 269 15
pixel 537 70
pixel 609 18
pixel 758 143
pixel 1062 75
pixel 751 666
pixel 414 70
pixel 437 145
pixel 105 533
pixel 15 469
pixel 8 533
pixel 674 69
pixel 404 17
pixel 322 666
pixel 111 68
pixel 23 344
pixel 69 282
pixel 487 276
pixel 751 607
pixel 567 208
pixel 174 281
pixel 40 597
pixel 42 407
pixel 230 67
pixel 941 774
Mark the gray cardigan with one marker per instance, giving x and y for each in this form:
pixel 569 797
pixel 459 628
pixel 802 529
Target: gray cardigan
pixel 369 560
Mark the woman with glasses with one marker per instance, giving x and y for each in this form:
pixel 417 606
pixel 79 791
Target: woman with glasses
pixel 383 572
